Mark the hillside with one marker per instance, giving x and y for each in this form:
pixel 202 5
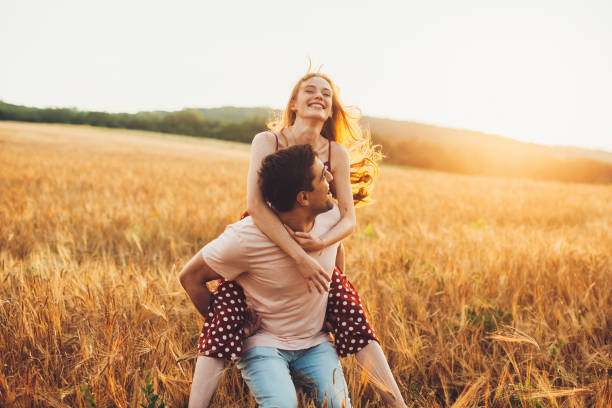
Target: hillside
pixel 459 150
pixel 237 114
pixel 403 130
pixel 462 151
pixel 470 152
pixel 403 143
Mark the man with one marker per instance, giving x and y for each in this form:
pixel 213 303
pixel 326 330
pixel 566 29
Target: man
pixel 290 340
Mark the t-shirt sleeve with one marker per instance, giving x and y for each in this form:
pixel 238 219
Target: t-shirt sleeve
pixel 225 255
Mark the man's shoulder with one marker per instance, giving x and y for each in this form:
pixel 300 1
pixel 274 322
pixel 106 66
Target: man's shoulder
pixel 326 220
pixel 246 229
pixel 238 238
pixel 248 232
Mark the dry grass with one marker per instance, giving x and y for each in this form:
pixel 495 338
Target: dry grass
pixel 484 292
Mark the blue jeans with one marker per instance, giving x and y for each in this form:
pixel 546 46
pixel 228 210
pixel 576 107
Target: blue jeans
pixel 267 371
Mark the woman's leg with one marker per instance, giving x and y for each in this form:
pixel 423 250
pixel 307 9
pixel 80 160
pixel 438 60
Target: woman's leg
pixel 353 334
pixel 373 361
pixel 206 377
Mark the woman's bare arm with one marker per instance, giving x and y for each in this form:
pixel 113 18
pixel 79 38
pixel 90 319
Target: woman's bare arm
pixel 263 144
pixel 340 258
pixel 344 194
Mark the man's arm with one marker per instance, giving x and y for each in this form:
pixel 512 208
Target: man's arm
pixel 193 277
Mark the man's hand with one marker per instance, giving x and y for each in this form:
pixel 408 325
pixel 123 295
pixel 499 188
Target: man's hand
pixel 252 321
pixel 309 242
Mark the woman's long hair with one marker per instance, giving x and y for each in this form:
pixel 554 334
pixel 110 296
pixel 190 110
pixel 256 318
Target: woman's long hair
pixel 342 127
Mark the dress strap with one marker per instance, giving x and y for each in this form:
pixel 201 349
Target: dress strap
pixel 329 154
pixel 276 137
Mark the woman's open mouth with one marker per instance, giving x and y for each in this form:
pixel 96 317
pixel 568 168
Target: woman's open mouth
pixel 316 105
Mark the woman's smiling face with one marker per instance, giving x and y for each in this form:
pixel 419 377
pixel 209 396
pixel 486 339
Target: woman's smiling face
pixel 314 99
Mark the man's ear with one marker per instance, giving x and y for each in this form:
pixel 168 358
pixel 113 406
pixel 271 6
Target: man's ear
pixel 302 198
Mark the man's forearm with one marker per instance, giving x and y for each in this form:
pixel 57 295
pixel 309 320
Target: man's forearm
pixel 193 278
pixel 200 296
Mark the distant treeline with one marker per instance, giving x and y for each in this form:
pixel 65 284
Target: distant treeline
pixel 403 143
pixel 495 158
pixel 190 122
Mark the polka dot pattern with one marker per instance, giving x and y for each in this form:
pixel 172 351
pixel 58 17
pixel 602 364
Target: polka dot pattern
pixel 350 326
pixel 222 334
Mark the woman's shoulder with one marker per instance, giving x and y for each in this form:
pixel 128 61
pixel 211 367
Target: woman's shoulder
pixel 338 153
pixel 337 148
pixel 265 136
pixel 266 140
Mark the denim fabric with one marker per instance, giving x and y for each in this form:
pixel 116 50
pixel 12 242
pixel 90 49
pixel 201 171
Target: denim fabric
pixel 268 371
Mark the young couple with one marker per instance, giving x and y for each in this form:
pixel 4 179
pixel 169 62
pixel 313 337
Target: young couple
pixel 285 261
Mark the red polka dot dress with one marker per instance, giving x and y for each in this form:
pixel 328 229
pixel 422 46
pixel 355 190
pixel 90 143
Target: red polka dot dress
pixel 222 334
pixel 345 313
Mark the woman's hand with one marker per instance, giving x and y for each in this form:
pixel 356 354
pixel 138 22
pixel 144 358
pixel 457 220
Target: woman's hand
pixel 309 268
pixel 314 274
pixel 309 242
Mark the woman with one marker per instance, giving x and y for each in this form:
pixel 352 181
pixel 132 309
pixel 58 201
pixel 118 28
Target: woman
pixel 315 116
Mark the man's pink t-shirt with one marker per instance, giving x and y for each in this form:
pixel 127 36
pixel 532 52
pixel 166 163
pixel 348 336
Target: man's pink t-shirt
pixel 291 317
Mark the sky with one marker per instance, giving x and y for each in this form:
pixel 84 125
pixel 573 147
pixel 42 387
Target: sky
pixel 537 71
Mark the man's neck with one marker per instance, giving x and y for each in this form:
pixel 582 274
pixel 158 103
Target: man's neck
pixel 298 219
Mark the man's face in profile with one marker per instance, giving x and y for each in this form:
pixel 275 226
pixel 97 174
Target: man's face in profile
pixel 320 198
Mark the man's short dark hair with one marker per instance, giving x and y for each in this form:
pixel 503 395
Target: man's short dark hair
pixel 285 173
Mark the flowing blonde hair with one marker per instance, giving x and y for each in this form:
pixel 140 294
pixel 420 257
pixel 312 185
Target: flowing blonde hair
pixel 342 127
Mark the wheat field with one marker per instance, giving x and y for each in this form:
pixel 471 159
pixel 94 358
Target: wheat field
pixel 484 292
